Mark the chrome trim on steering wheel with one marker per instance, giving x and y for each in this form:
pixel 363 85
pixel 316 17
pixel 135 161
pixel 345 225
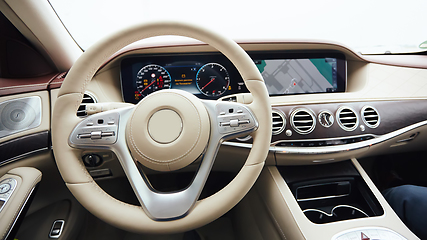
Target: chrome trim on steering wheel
pixel 228 120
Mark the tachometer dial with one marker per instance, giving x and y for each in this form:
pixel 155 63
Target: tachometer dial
pixel 212 79
pixel 152 78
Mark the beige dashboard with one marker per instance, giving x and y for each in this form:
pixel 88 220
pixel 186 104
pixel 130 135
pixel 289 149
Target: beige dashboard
pixel 368 82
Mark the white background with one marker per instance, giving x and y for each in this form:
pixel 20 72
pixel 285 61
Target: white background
pixel 368 26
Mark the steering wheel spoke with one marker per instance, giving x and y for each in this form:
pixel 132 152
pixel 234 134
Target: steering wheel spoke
pixel 99 130
pixel 165 205
pixel 230 120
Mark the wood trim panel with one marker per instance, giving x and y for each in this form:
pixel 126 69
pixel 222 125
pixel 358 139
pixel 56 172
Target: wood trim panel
pixel 23 145
pixel 394 115
pixel 9 86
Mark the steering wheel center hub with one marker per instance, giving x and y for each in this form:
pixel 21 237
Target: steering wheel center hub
pixel 165 126
pixel 168 130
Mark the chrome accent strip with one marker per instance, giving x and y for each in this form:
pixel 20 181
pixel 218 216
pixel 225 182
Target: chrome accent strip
pixel 321 198
pixel 19 213
pixel 323 139
pixel 333 149
pixel 19 157
pixel 242 145
pixel 332 211
pixel 318 198
pixel 347 147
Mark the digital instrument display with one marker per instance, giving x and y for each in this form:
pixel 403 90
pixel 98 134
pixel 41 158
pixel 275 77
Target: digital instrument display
pixel 206 76
pixel 211 75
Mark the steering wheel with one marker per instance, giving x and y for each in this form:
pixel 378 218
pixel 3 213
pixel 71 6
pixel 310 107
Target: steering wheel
pixel 139 135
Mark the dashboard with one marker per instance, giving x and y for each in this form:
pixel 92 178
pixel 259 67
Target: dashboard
pixel 211 76
pixel 360 112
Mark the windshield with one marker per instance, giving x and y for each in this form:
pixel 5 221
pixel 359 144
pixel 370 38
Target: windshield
pixel 366 26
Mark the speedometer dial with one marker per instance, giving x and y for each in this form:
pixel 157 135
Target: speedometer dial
pixel 152 78
pixel 212 79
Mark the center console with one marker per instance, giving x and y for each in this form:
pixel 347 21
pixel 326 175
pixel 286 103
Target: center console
pixel 328 201
pixel 331 192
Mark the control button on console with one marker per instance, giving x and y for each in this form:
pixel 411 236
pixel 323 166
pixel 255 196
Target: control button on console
pixel 107 134
pixel 4 188
pixel 224 124
pixel 92 160
pixel 87 135
pixel 96 135
pixel 56 230
pixel 234 123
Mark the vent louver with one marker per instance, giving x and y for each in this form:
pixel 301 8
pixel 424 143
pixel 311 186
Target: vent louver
pixel 87 98
pixel 303 121
pixel 370 116
pixel 347 119
pixel 278 123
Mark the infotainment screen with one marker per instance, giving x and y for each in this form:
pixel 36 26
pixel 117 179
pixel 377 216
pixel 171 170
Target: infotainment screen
pixel 212 75
pixel 303 75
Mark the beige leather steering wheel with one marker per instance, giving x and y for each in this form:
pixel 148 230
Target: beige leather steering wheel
pixel 137 136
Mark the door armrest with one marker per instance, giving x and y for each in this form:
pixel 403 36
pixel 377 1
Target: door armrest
pixel 16 187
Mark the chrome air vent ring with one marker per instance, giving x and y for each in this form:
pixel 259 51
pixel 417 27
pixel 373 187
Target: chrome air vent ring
pixel 278 122
pixel 347 119
pixel 370 116
pixel 303 121
pixel 87 98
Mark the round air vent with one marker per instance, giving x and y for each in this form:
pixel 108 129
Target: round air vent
pixel 370 116
pixel 279 122
pixel 347 118
pixel 303 121
pixel 87 98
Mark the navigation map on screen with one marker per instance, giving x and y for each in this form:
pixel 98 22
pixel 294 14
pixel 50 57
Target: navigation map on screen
pixel 292 76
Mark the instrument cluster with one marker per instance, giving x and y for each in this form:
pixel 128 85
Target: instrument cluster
pixel 208 76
